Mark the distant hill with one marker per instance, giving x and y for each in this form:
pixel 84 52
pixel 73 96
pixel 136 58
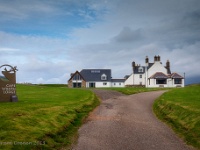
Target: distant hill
pixel 192 80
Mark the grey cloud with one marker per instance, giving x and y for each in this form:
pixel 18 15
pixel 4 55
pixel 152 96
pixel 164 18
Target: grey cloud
pixel 191 20
pixel 128 35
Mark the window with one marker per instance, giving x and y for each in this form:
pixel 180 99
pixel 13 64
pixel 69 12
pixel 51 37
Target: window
pixel 119 83
pixel 92 85
pixel 161 81
pixel 104 83
pixel 77 77
pixel 140 69
pixel 95 71
pixel 77 85
pixel 103 77
pixel 140 76
pixel 177 81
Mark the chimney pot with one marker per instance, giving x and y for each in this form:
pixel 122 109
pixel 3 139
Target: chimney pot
pixel 155 58
pixel 158 58
pixel 133 64
pixel 167 64
pixel 147 60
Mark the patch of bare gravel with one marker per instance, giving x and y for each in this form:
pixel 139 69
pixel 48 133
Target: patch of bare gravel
pixel 107 94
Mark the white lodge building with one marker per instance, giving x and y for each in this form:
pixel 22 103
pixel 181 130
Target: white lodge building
pixel 154 75
pixel 94 78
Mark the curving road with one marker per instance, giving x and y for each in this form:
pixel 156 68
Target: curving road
pixel 126 123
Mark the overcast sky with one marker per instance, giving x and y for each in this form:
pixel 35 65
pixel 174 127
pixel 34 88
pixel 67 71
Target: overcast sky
pixel 47 39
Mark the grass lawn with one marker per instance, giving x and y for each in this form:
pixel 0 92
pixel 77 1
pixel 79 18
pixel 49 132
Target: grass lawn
pixel 134 90
pixel 180 108
pixel 46 117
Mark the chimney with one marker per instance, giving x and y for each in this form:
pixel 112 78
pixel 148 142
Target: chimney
pixel 155 58
pixel 147 61
pixel 158 58
pixel 168 67
pixel 168 64
pixel 133 65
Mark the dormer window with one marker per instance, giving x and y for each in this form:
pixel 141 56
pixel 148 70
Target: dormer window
pixel 103 77
pixel 140 69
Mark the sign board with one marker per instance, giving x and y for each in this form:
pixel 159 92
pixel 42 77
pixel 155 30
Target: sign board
pixel 8 83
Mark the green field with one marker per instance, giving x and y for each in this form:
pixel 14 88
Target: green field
pixel 46 116
pixel 180 108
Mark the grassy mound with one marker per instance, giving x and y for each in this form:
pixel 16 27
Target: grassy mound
pixel 46 117
pixel 180 108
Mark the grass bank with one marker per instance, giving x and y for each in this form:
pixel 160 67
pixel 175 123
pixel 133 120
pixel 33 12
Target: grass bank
pixel 180 108
pixel 46 117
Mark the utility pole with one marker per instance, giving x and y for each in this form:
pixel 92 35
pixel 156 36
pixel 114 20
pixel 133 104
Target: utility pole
pixel 184 78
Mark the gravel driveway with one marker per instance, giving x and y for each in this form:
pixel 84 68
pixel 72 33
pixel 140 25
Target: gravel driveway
pixel 126 123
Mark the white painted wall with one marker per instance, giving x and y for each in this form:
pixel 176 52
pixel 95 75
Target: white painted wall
pixel 138 80
pixel 109 84
pixel 178 85
pixel 118 84
pixel 156 67
pixel 99 84
pixel 153 83
pixel 129 81
pixel 77 81
pixel 170 83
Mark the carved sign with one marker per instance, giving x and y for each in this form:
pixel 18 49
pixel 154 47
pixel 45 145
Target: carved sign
pixel 8 83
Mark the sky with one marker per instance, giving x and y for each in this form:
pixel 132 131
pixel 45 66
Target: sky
pixel 48 40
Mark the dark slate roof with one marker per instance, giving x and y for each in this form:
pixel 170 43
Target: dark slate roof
pixel 176 76
pixel 95 74
pixel 159 75
pixel 136 70
pixel 126 77
pixel 117 80
pixel 149 66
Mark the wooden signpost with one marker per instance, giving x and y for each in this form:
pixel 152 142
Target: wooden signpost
pixel 8 83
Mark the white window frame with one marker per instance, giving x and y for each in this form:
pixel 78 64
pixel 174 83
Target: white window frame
pixel 103 77
pixel 140 69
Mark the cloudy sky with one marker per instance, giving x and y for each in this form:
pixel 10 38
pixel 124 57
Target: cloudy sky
pixel 47 39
